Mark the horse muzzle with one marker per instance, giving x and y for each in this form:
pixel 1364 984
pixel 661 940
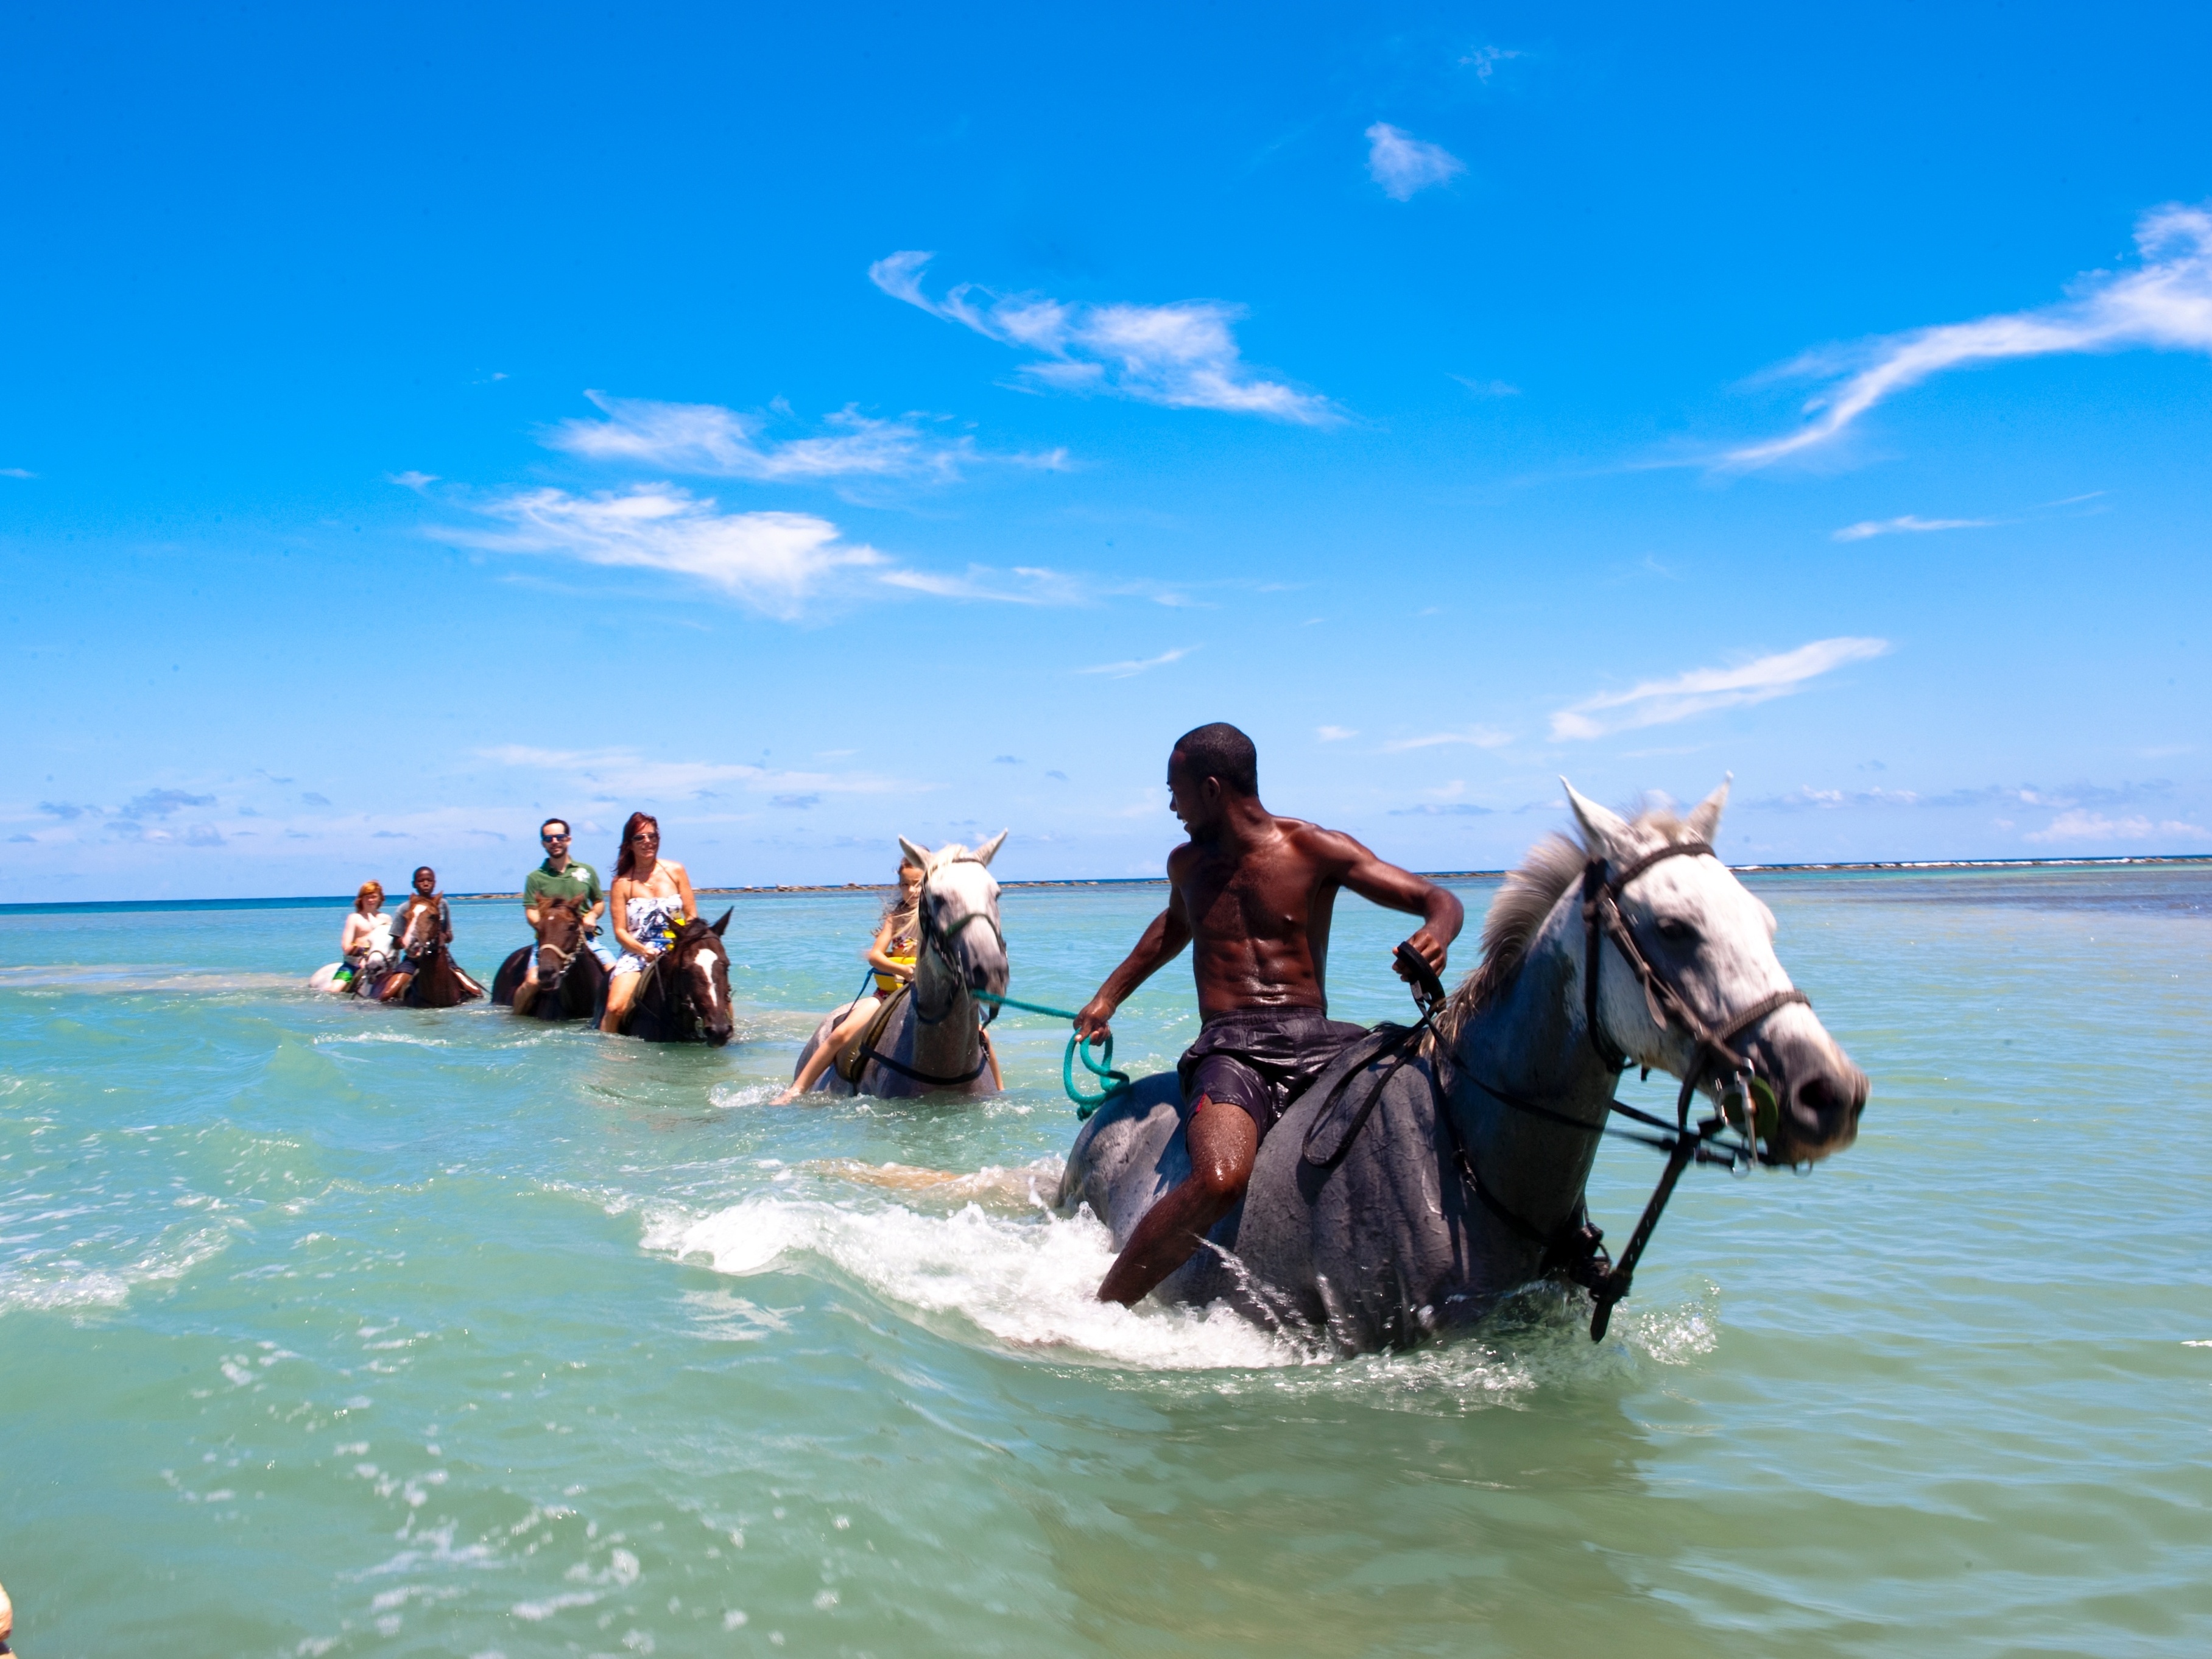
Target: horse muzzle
pixel 1819 1097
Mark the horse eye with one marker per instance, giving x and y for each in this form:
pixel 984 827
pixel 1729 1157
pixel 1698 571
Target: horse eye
pixel 1676 932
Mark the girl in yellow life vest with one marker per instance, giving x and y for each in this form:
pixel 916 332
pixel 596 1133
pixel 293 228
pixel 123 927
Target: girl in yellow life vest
pixel 892 954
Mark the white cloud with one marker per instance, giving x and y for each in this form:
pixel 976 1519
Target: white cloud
pixel 1404 165
pixel 1866 527
pixel 2083 826
pixel 1485 60
pixel 770 561
pixel 1333 733
pixel 16 472
pixel 2165 304
pixel 706 438
pixel 1023 584
pixel 1701 691
pixel 631 773
pixel 1479 737
pixel 1183 355
pixel 417 482
pixel 1486 388
pixel 1122 670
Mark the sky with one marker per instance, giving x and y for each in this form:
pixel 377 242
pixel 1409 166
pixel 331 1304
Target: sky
pixel 816 426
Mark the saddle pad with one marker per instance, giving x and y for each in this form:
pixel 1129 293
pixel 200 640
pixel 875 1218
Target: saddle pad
pixel 849 1062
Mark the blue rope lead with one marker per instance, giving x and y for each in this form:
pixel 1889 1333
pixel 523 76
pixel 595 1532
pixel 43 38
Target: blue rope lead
pixel 1118 1083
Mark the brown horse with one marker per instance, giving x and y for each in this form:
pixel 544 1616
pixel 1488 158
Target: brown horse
pixel 435 979
pixel 572 981
pixel 685 996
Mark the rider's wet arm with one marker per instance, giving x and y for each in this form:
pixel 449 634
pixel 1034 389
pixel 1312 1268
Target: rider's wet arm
pixel 1161 944
pixel 1386 885
pixel 620 911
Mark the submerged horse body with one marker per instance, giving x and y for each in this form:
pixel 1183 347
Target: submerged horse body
pixel 437 981
pixel 931 1037
pixel 685 994
pixel 572 980
pixel 1465 1180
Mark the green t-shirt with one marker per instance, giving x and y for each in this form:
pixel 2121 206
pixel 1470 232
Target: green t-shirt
pixel 579 882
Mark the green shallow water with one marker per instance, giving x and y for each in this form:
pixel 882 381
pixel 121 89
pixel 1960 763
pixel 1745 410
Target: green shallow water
pixel 335 1329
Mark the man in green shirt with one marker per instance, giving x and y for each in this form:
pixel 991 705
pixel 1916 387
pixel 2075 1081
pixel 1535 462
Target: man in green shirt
pixel 559 876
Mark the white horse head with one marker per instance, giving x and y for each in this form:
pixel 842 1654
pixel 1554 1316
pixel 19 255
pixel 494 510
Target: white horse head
pixel 960 906
pixel 1704 934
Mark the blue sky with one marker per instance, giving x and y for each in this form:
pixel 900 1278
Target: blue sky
pixel 419 420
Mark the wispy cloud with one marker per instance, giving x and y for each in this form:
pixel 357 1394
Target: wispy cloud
pixel 1183 355
pixel 1404 165
pixel 410 479
pixel 1702 691
pixel 1869 528
pixel 1334 733
pixel 1434 809
pixel 1122 670
pixel 769 560
pixel 2095 829
pixel 1478 737
pixel 1485 60
pixel 1486 388
pixel 16 472
pixel 708 438
pixel 2165 303
pixel 1023 584
pixel 630 773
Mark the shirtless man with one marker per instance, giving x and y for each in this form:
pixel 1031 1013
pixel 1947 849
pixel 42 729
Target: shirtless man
pixel 1257 893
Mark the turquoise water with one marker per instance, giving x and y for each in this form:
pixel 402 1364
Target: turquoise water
pixel 327 1328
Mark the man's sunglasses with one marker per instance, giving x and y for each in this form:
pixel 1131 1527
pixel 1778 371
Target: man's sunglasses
pixel 550 840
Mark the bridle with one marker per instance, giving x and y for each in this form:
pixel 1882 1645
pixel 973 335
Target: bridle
pixel 1578 1248
pixel 938 941
pixel 1602 919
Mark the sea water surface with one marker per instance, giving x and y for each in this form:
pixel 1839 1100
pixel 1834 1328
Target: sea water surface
pixel 327 1328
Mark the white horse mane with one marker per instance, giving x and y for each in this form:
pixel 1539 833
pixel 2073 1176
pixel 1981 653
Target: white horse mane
pixel 1516 914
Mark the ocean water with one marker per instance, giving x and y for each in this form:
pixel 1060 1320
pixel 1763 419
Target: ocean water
pixel 327 1328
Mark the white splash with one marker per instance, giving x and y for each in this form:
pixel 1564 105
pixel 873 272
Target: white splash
pixel 1030 1283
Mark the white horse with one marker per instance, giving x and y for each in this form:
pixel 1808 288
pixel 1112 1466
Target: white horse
pixel 933 1041
pixel 1412 1187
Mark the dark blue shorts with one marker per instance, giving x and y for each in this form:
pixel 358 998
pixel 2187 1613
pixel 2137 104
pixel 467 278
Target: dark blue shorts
pixel 1260 1059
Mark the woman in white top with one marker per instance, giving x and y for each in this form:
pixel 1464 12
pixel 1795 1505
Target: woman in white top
pixel 367 932
pixel 651 898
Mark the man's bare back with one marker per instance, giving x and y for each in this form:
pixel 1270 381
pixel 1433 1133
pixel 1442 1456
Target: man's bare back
pixel 1254 893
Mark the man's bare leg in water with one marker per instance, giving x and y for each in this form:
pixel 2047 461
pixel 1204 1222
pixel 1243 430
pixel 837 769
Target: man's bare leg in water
pixel 1223 1142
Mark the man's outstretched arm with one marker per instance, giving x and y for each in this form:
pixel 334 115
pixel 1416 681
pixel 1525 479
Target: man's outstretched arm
pixel 1162 942
pixel 1386 885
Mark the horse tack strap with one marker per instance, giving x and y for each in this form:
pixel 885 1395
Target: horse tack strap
pixel 1401 1038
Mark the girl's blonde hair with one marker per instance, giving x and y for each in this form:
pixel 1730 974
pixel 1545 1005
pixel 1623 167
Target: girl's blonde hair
pixel 361 896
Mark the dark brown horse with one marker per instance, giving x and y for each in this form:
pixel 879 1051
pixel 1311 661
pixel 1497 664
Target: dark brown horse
pixel 572 980
pixel 685 997
pixel 437 981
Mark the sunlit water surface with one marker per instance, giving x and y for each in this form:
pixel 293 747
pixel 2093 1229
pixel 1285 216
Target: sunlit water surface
pixel 327 1329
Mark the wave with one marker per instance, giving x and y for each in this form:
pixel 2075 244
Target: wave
pixel 1027 1283
pixel 50 1285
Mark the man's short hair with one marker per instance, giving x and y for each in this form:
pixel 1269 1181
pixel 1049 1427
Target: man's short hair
pixel 1221 750
pixel 549 823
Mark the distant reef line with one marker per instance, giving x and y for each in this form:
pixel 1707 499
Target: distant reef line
pixel 344 901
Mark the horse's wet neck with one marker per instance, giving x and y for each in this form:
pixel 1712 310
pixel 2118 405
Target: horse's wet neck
pixel 946 1045
pixel 1529 1043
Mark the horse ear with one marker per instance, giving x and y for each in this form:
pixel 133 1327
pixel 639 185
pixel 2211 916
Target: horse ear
pixel 917 856
pixel 716 929
pixel 1705 818
pixel 989 849
pixel 1604 832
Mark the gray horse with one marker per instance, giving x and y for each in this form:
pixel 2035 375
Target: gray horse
pixel 1466 1180
pixel 933 1041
